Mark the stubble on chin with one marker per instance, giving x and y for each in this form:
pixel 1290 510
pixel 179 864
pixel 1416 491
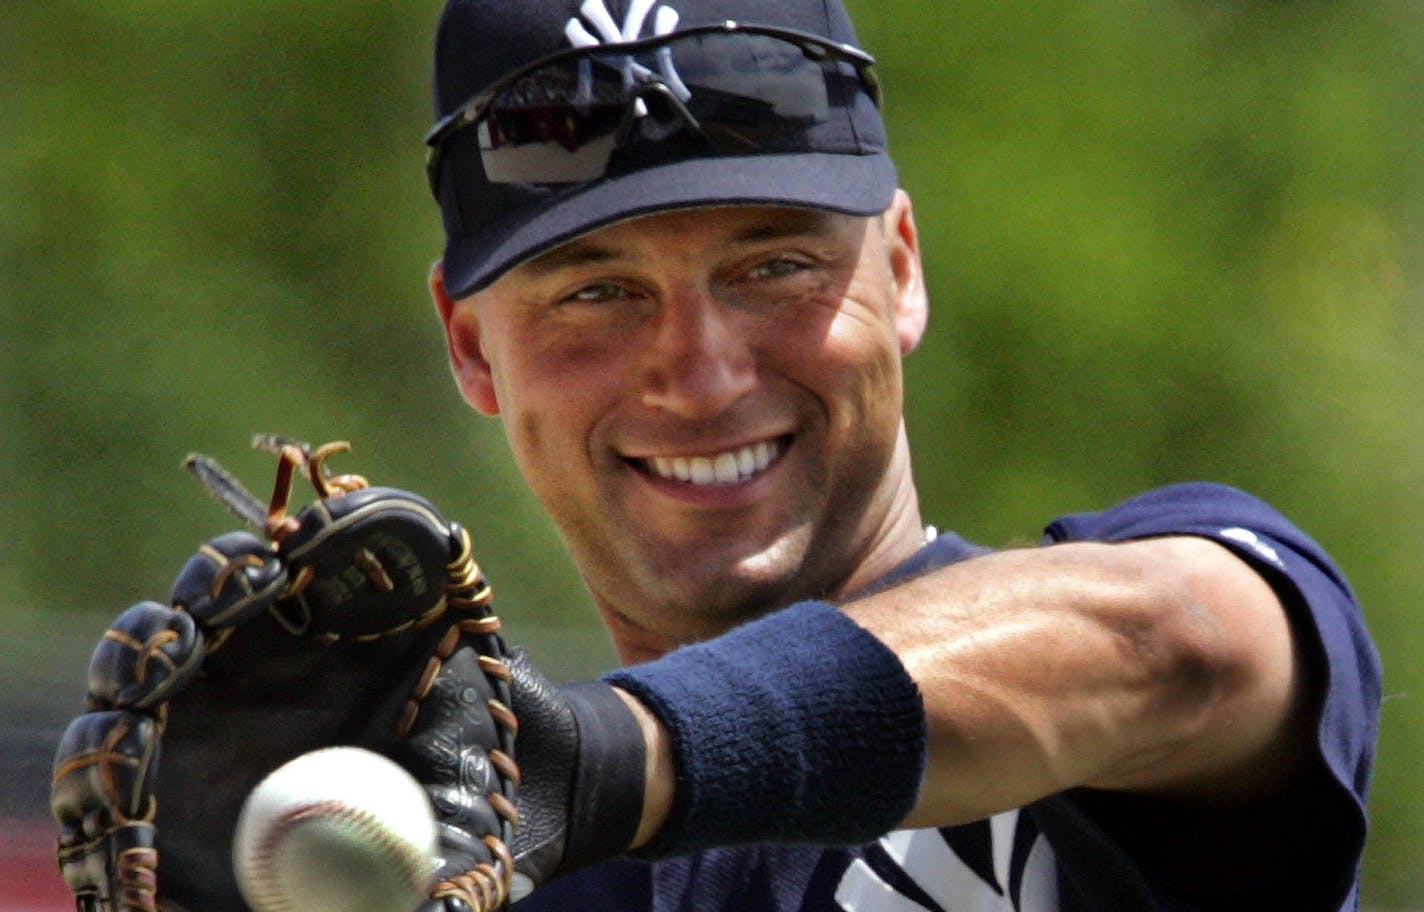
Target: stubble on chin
pixel 701 595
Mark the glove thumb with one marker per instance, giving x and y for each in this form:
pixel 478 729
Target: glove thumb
pixel 581 756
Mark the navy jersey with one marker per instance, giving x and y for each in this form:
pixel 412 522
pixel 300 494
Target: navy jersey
pixel 1086 850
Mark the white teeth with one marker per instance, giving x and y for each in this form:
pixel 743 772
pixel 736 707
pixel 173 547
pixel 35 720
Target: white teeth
pixel 702 471
pixel 725 468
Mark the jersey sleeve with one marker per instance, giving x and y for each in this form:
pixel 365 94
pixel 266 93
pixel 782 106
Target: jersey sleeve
pixel 1318 833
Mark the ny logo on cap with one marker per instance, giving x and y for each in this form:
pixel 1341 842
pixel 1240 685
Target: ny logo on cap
pixel 609 32
pixel 596 12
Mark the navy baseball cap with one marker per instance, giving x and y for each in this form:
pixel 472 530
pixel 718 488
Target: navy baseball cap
pixel 558 117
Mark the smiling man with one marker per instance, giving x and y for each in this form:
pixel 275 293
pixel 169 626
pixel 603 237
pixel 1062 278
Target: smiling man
pixel 679 269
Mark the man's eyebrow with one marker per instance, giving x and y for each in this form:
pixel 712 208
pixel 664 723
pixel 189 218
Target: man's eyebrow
pixel 790 224
pixel 574 253
pixel 588 252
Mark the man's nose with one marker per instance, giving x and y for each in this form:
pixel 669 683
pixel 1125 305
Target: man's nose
pixel 698 358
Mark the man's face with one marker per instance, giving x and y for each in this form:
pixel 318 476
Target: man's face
pixel 708 403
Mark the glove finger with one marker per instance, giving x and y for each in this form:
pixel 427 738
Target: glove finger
pixel 232 578
pixel 101 796
pixel 148 654
pixel 102 787
pixel 368 564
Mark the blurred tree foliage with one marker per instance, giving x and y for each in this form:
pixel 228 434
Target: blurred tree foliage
pixel 1165 241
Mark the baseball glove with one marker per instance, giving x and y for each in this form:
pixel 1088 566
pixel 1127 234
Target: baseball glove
pixel 360 620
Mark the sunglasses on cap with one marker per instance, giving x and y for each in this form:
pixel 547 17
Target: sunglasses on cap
pixel 714 90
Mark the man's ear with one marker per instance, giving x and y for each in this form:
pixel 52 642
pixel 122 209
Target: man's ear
pixel 902 241
pixel 462 337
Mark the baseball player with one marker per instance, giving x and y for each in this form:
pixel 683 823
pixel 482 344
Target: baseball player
pixel 679 268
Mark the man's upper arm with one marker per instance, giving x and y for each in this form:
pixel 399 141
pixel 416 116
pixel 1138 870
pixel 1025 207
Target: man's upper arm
pixel 1238 710
pixel 1341 669
pixel 1301 840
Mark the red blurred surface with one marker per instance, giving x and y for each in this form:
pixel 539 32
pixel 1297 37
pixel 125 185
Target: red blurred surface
pixel 29 877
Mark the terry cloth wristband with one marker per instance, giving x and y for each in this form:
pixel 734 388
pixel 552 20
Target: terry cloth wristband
pixel 798 727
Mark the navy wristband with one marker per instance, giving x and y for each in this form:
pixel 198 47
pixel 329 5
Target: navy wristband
pixel 798 727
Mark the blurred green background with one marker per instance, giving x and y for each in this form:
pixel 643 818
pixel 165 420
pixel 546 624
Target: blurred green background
pixel 1165 240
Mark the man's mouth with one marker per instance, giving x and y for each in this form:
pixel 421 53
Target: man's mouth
pixel 726 468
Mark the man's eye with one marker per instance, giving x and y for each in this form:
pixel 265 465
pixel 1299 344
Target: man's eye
pixel 776 269
pixel 597 294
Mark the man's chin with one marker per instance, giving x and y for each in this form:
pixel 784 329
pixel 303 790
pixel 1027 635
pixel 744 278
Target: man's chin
pixel 689 585
pixel 711 598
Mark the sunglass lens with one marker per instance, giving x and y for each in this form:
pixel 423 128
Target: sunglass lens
pixel 558 124
pixel 581 118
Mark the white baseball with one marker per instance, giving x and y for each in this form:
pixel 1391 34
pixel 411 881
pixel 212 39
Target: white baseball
pixel 337 830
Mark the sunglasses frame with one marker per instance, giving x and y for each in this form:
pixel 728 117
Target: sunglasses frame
pixel 472 110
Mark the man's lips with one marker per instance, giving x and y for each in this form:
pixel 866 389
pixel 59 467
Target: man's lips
pixel 727 467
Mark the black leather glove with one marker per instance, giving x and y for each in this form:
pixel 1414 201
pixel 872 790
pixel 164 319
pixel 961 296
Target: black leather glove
pixel 363 621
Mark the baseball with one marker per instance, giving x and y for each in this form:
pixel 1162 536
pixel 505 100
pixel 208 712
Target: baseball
pixel 337 830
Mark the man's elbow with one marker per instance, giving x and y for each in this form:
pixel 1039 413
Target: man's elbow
pixel 1221 710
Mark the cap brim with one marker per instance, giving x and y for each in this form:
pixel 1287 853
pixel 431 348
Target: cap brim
pixel 853 184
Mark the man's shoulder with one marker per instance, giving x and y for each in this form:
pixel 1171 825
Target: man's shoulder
pixel 1194 507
